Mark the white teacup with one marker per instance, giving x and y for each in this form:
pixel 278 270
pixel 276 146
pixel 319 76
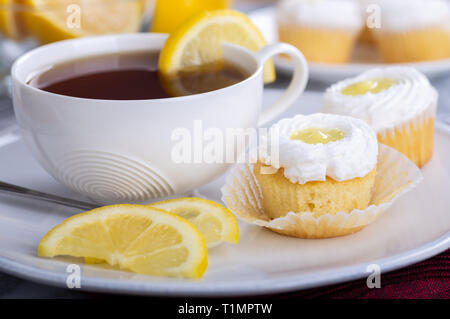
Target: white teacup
pixel 120 151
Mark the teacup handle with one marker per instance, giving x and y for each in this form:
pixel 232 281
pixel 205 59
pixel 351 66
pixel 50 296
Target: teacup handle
pixel 297 85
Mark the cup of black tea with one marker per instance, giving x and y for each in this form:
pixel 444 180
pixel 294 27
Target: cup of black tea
pixel 98 117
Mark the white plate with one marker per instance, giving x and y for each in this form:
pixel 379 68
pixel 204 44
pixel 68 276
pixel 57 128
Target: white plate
pixel 364 57
pixel 416 227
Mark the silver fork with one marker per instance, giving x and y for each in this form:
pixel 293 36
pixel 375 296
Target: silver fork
pixel 32 194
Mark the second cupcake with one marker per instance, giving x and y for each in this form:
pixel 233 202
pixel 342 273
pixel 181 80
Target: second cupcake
pixel 399 103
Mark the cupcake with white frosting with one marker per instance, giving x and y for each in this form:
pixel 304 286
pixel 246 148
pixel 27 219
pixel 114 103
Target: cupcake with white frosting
pixel 413 30
pixel 399 103
pixel 327 164
pixel 324 30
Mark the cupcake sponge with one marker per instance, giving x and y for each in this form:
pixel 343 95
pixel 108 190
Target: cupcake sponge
pixel 281 196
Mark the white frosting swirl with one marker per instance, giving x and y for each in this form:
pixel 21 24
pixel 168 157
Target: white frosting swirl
pixel 344 14
pixel 408 97
pixel 355 155
pixel 399 15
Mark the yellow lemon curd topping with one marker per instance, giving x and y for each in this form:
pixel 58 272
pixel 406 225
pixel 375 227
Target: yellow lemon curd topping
pixel 315 135
pixel 372 86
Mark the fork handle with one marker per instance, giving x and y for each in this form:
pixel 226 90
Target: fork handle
pixel 30 193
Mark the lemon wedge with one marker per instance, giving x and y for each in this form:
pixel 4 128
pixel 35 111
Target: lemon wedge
pixel 198 42
pixel 142 239
pixel 54 20
pixel 216 223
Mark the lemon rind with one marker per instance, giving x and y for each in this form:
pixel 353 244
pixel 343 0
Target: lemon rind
pixel 230 231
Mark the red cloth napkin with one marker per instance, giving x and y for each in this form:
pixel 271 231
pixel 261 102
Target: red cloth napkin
pixel 427 279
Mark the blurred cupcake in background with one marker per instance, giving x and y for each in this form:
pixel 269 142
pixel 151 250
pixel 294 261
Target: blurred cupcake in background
pixel 324 30
pixel 398 102
pixel 413 30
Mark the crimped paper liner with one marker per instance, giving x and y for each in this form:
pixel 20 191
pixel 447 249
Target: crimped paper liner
pixel 396 176
pixel 415 137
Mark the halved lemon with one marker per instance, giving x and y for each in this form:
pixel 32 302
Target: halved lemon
pixel 198 42
pixel 10 26
pixel 54 20
pixel 215 222
pixel 139 238
pixel 169 14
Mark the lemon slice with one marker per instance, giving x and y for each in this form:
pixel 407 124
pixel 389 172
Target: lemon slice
pixel 138 238
pixel 215 222
pixel 54 20
pixel 198 42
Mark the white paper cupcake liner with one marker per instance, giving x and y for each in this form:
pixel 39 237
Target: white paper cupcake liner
pixel 414 137
pixel 416 122
pixel 396 175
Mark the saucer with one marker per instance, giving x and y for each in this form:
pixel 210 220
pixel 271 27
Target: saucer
pixel 363 58
pixel 416 227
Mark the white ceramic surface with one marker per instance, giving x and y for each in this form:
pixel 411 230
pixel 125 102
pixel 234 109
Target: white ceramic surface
pixel 416 227
pixel 113 151
pixel 363 58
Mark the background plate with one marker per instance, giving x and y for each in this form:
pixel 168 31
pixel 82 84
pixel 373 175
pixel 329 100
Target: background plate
pixel 416 227
pixel 364 57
